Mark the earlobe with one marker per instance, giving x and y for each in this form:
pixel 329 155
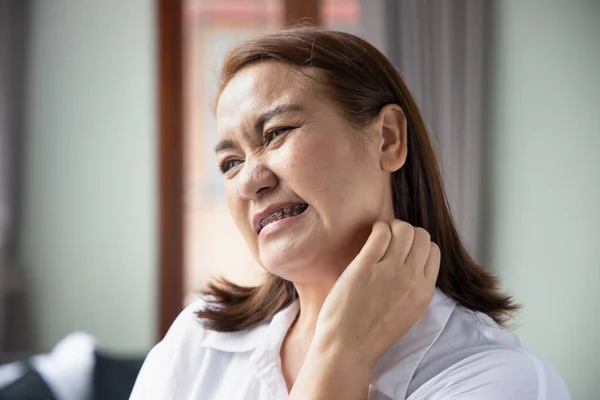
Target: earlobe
pixel 393 130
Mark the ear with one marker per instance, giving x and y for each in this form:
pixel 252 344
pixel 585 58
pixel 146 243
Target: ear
pixel 391 126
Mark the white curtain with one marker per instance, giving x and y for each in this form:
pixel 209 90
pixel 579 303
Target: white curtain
pixel 439 46
pixel 13 18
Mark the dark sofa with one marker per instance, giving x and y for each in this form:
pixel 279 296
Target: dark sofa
pixel 113 379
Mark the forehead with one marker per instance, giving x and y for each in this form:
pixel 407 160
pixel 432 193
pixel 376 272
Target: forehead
pixel 259 87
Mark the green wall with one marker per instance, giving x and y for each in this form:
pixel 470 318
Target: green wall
pixel 545 148
pixel 88 243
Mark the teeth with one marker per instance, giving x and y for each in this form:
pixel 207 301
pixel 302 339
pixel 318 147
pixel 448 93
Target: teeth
pixel 283 213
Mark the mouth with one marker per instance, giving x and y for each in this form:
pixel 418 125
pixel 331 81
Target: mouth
pixel 281 213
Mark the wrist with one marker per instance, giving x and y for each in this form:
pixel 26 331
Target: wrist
pixel 330 370
pixel 344 351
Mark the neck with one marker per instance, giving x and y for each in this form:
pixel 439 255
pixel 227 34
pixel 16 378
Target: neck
pixel 311 296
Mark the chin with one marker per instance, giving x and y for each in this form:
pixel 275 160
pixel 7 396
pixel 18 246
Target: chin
pixel 301 267
pixel 284 265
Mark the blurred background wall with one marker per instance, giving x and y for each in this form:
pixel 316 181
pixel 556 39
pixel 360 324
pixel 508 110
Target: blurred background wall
pixel 545 152
pixel 88 242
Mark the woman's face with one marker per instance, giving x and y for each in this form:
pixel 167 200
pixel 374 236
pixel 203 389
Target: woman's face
pixel 302 186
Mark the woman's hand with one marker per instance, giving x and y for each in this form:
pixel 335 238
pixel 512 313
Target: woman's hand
pixel 381 294
pixel 377 299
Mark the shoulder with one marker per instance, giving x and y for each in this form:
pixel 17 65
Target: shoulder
pixel 186 333
pixel 174 356
pixel 475 358
pixel 497 374
pixel 187 323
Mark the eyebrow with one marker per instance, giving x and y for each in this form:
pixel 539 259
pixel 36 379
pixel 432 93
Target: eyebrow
pixel 265 117
pixel 225 145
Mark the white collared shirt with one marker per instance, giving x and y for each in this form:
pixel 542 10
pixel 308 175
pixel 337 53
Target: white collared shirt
pixel 450 353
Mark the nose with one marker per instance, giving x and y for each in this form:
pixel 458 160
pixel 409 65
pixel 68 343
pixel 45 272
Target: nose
pixel 255 179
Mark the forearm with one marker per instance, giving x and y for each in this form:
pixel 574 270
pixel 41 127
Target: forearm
pixel 330 372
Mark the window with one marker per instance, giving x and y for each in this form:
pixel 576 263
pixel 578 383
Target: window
pixel 212 243
pixel 198 236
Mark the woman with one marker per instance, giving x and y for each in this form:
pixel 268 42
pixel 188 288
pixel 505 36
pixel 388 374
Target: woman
pixel 370 294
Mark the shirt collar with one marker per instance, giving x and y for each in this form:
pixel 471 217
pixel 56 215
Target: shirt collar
pixel 392 373
pixel 250 339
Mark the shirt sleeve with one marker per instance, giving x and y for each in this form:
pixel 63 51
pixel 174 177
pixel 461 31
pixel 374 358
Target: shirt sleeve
pixel 162 375
pixel 496 375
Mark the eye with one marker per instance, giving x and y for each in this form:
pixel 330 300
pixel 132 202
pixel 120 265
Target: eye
pixel 228 164
pixel 274 133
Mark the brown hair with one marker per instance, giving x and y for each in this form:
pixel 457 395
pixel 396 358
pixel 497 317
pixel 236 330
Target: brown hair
pixel 361 80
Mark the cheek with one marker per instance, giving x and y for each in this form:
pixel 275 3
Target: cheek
pixel 231 196
pixel 322 166
pixel 311 161
pixel 236 206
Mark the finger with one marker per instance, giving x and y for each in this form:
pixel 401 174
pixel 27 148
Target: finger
pixel 419 251
pixel 377 243
pixel 432 266
pixel 402 237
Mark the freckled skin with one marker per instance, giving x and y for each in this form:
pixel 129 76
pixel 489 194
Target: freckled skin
pixel 322 162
